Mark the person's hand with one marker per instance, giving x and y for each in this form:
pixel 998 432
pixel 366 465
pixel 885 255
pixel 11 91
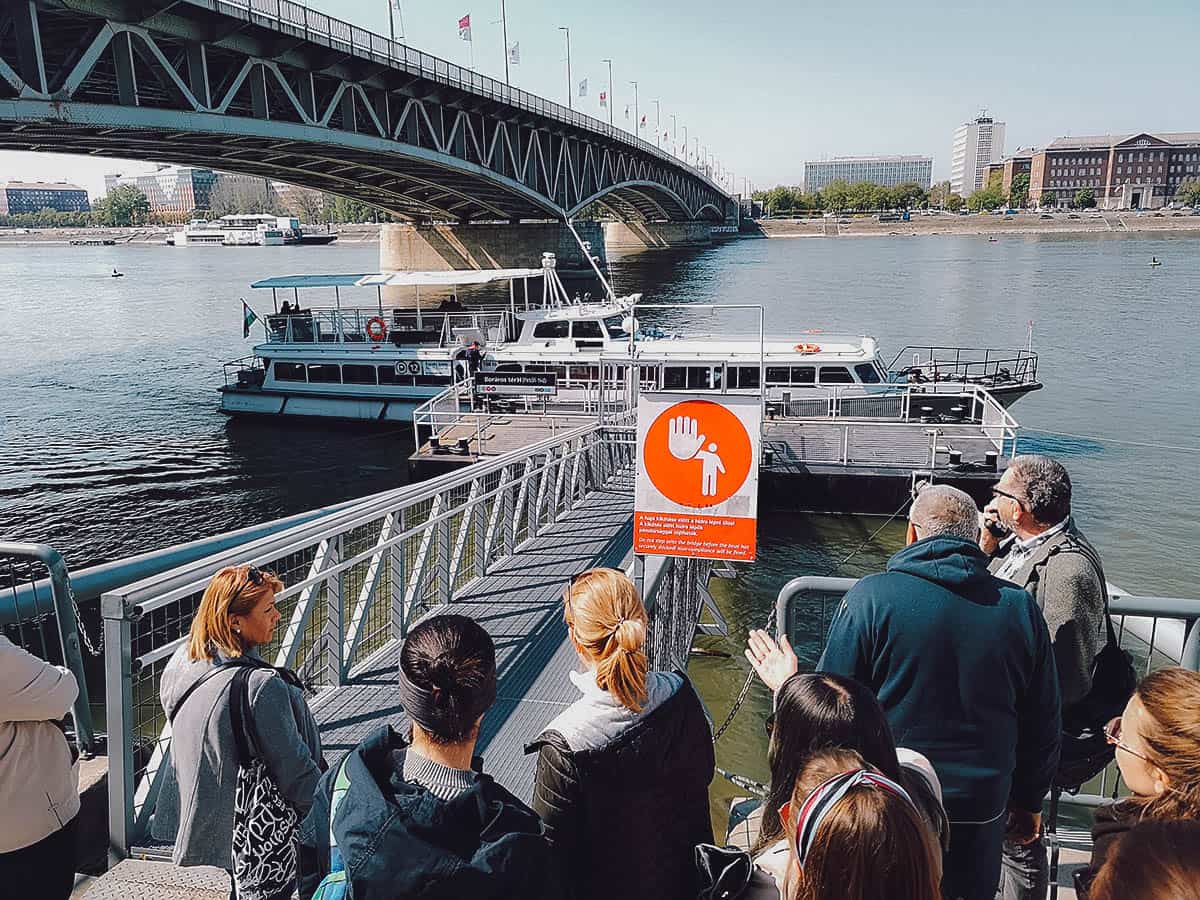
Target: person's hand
pixel 774 662
pixel 988 542
pixel 1023 826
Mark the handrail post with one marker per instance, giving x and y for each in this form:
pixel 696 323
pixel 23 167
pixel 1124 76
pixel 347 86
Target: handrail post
pixel 334 636
pixel 118 696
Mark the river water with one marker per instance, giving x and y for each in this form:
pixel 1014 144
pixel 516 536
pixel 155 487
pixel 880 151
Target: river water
pixel 111 443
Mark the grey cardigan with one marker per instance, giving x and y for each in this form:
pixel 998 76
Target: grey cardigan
pixel 1066 578
pixel 195 804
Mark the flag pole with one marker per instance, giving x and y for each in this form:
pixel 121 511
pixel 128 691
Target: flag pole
pixel 570 83
pixel 504 27
pixel 610 91
pixel 391 20
pixel 637 120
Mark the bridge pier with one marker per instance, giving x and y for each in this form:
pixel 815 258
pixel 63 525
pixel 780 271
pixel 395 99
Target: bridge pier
pixel 405 247
pixel 636 236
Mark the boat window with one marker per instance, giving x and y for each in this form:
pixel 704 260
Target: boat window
pixel 387 375
pixel 358 374
pixel 803 374
pixel 836 375
pixel 508 367
pixel 614 324
pixel 560 372
pixel 324 373
pixel 585 373
pixel 286 371
pixel 867 373
pixel 587 328
pixel 778 375
pixel 699 378
pixel 555 328
pixel 747 377
pixel 431 380
pixel 674 378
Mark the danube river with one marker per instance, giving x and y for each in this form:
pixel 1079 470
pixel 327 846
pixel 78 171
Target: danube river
pixel 111 443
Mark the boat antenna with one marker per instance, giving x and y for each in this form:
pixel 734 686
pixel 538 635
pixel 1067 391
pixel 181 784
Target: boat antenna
pixel 587 252
pixel 1029 339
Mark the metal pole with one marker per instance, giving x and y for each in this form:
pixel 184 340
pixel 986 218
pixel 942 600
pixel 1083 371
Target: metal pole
pixel 504 27
pixel 685 153
pixel 610 90
pixel 637 119
pixel 392 20
pixel 657 123
pixel 570 83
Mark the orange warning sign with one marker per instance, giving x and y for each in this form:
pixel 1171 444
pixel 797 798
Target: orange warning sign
pixel 697 481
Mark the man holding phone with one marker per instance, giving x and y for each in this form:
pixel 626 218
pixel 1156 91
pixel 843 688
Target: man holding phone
pixel 1028 530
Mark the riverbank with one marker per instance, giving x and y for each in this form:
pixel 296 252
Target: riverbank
pixel 1091 222
pixel 148 235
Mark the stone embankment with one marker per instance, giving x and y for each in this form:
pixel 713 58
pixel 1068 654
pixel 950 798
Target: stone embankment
pixel 1025 223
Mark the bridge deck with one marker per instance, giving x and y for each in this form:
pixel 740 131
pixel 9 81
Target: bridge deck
pixel 519 604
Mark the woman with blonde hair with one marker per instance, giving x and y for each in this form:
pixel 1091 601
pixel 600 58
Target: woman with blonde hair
pixel 623 773
pixel 203 701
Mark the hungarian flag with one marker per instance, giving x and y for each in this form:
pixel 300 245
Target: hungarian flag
pixel 583 88
pixel 249 317
pixel 642 124
pixel 464 27
pixel 627 110
pixel 514 53
pixel 604 98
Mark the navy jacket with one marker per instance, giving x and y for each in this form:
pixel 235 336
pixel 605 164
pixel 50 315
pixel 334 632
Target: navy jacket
pixel 962 665
pixel 400 841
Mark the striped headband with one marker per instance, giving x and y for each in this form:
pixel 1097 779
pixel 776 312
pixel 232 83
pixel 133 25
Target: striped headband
pixel 820 803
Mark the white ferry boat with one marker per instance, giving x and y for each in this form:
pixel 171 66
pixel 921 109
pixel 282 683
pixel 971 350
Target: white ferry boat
pixel 380 363
pixel 232 231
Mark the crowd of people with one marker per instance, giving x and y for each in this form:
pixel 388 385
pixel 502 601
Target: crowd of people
pixel 956 690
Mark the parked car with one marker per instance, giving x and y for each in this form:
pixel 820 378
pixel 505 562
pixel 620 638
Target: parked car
pixel 1045 216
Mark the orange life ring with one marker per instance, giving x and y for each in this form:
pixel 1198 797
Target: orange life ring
pixel 376 328
pixel 807 348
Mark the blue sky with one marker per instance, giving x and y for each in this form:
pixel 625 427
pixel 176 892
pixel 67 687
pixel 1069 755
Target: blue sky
pixel 766 84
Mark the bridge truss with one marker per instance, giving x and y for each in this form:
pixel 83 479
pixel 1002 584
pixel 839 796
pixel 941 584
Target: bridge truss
pixel 273 89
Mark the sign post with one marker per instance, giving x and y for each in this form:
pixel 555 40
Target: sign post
pixel 516 384
pixel 697 475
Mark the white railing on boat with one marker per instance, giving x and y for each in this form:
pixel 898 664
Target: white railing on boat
pixel 349 325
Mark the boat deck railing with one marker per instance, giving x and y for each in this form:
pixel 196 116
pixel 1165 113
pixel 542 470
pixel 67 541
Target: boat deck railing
pixel 348 325
pixel 1157 632
pixel 354 578
pixel 987 366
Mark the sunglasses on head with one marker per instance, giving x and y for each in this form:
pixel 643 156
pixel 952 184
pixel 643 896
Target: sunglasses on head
pixel 1112 734
pixel 254 576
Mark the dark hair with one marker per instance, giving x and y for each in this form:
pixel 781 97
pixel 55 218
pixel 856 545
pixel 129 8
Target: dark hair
pixel 1046 486
pixel 454 660
pixel 1155 860
pixel 816 712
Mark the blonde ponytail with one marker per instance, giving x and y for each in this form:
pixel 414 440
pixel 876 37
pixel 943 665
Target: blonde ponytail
pixel 608 623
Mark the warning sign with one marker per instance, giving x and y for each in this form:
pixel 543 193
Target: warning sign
pixel 697 478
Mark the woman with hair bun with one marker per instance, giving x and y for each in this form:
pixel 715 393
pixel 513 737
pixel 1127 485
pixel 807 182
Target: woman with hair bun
pixel 623 773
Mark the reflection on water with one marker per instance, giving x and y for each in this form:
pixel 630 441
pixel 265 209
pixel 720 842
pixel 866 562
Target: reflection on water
pixel 111 442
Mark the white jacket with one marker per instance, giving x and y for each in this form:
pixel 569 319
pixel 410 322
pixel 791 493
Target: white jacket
pixel 39 788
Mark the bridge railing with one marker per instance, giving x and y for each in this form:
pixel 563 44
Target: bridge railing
pixel 298 19
pixel 354 580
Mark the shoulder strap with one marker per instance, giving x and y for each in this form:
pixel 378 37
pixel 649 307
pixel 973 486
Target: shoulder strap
pixel 240 716
pixel 341 786
pixel 216 670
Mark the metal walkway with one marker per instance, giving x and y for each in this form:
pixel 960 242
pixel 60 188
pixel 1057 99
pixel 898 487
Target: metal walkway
pixel 520 605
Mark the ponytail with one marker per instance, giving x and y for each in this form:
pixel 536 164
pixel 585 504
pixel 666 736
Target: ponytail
pixel 608 623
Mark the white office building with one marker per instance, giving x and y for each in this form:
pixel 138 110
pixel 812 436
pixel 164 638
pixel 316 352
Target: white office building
pixel 977 144
pixel 886 170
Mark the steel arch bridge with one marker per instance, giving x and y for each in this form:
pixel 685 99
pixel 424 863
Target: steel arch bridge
pixel 271 88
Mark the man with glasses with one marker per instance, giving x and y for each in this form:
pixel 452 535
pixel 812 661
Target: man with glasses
pixel 1044 552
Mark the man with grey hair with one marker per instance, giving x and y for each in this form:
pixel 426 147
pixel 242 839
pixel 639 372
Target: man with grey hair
pixel 1044 552
pixel 961 663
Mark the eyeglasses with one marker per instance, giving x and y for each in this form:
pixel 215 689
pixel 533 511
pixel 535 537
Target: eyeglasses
pixel 254 576
pixel 1112 734
pixel 996 492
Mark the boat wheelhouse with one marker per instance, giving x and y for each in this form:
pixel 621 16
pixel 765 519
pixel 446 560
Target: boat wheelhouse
pixel 379 362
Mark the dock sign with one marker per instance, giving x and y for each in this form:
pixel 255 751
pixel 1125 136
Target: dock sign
pixel 520 384
pixel 697 476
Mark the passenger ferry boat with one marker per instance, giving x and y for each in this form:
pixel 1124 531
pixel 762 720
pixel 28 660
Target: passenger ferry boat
pixel 380 363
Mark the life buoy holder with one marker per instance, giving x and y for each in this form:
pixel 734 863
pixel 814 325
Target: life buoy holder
pixel 376 328
pixel 807 348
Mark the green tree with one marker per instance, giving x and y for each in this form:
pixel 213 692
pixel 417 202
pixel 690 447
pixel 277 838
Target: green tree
pixel 836 195
pixel 1085 198
pixel 939 194
pixel 124 205
pixel 865 195
pixel 1189 192
pixel 954 202
pixel 1018 194
pixel 987 198
pixel 813 201
pixel 1048 200
pixel 908 195
pixel 780 200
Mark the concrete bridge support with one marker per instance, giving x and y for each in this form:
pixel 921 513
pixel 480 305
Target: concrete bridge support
pixel 433 247
pixel 626 237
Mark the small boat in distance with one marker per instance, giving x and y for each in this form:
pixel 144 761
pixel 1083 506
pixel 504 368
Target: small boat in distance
pixel 116 274
pixel 1154 261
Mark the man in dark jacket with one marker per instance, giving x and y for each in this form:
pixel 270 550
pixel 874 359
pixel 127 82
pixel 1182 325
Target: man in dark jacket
pixel 962 666
pixel 1048 556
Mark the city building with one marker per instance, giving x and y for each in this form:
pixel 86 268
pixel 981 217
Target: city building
pixel 175 192
pixel 33 196
pixel 1129 171
pixel 886 170
pixel 1020 163
pixel 977 144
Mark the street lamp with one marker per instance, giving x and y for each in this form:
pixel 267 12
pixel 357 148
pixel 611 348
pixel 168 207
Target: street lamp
pixel 565 28
pixel 637 119
pixel 610 90
pixel 657 122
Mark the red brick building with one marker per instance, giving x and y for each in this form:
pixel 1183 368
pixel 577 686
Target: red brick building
pixel 1136 171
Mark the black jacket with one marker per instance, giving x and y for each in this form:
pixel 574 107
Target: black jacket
pixel 633 809
pixel 962 666
pixel 398 840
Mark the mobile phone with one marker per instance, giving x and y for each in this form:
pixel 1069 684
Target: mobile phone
pixel 996 529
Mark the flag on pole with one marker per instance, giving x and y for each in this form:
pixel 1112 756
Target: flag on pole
pixel 627 110
pixel 464 27
pixel 583 88
pixel 604 98
pixel 249 317
pixel 642 124
pixel 514 53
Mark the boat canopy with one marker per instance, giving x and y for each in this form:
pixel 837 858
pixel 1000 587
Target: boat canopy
pixel 448 277
pixel 291 282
